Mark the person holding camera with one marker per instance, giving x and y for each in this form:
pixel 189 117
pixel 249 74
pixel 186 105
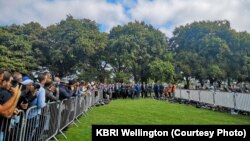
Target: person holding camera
pixel 36 115
pixel 28 94
pixel 9 100
pixel 64 91
pixel 6 92
pixel 50 89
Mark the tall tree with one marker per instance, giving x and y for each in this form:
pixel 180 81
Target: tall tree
pixel 15 52
pixel 71 43
pixel 209 41
pixel 133 47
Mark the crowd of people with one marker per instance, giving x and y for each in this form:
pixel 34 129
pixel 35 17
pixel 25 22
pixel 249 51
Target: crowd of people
pixel 144 90
pixel 18 92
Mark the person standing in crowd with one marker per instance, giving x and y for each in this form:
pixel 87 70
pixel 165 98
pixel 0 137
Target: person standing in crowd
pixel 150 89
pixel 161 90
pixel 138 90
pixel 82 88
pixel 9 106
pixel 168 90
pixel 18 77
pixel 36 115
pixel 50 89
pixel 173 90
pixel 105 91
pixel 156 90
pixel 5 94
pixel 117 91
pixel 57 81
pixel 144 90
pixel 48 75
pixel 63 89
pixel 72 87
pixel 27 96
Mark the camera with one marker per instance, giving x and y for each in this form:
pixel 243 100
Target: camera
pixel 25 100
pixel 14 83
pixel 36 86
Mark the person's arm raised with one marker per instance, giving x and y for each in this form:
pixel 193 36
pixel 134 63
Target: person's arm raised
pixel 7 109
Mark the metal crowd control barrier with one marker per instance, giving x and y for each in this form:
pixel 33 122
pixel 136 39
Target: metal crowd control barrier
pixel 35 123
pixel 45 123
pixel 242 101
pixel 79 107
pixel 11 129
pixel 237 101
pixel 207 97
pixel 67 111
pixel 52 123
pixel 224 99
pixel 85 108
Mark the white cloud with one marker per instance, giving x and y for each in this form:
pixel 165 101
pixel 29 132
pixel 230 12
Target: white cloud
pixel 156 12
pixel 167 31
pixel 51 12
pixel 180 12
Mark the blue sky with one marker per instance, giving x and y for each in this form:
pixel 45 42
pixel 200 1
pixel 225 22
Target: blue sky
pixel 164 15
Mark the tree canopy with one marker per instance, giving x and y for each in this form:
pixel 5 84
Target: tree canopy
pixel 140 51
pixel 210 50
pixel 205 50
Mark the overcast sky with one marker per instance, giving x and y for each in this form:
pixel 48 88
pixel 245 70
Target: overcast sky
pixel 162 14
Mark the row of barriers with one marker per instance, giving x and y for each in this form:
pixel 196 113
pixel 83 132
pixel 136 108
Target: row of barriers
pixel 44 124
pixel 237 101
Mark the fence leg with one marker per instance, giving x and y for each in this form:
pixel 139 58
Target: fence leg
pixel 233 111
pixel 63 134
pixel 75 124
pixel 78 120
pixel 55 138
pixel 86 113
pixel 214 98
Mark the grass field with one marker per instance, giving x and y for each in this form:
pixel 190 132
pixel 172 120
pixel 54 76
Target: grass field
pixel 147 111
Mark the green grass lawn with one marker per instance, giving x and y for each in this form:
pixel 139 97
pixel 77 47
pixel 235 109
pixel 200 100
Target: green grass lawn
pixel 147 111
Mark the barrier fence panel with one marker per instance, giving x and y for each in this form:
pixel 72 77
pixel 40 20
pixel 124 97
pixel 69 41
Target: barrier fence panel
pixel 38 124
pixel 185 94
pixel 79 106
pixel 43 124
pixel 93 98
pixel 85 97
pixel 11 128
pixel 225 99
pixel 238 101
pixel 194 95
pixel 35 123
pixel 51 124
pixel 4 128
pixel 207 97
pixel 96 97
pixel 242 101
pixel 89 99
pixel 67 113
pixel 178 93
pixel 99 95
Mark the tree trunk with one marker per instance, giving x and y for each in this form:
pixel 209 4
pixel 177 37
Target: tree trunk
pixel 228 82
pixel 219 83
pixel 201 82
pixel 211 81
pixel 188 83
